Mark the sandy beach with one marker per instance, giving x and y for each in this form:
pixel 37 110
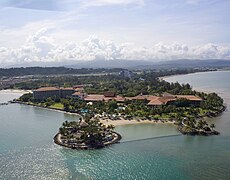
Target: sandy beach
pixel 133 121
pixel 18 91
pixel 107 121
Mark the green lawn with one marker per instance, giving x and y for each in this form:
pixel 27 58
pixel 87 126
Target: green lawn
pixel 57 106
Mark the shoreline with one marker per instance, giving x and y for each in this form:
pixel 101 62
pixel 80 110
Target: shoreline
pixel 122 121
pixel 16 91
pixel 162 77
pixel 168 76
pixel 133 122
pixel 196 89
pixel 58 141
pixel 119 122
pixel 199 72
pixel 104 121
pixel 47 108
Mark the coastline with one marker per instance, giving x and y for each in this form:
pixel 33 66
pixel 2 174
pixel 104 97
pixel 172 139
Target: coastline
pixel 121 121
pixel 132 122
pixel 47 108
pixel 58 141
pixel 163 77
pixel 16 91
pixel 141 153
pixel 104 121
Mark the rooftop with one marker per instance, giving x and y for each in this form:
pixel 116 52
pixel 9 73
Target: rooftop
pixel 161 100
pixel 47 89
pixel 142 97
pixel 94 97
pixel 68 88
pixel 79 89
pixel 189 97
pixel 77 93
pixel 109 94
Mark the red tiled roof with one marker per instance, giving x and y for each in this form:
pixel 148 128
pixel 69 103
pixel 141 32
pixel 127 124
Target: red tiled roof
pixel 142 97
pixel 47 89
pixel 79 89
pixel 166 94
pixel 153 100
pixel 99 97
pixel 77 94
pixel 189 97
pixel 109 94
pixel 161 100
pixel 166 99
pixel 69 88
pixel 119 99
pixel 94 97
pixel 150 97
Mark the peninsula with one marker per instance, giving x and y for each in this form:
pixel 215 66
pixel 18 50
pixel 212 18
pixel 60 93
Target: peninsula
pixel 125 97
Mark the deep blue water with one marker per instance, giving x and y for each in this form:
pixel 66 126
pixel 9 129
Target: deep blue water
pixel 147 151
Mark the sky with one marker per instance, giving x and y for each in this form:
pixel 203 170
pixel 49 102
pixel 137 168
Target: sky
pixel 51 31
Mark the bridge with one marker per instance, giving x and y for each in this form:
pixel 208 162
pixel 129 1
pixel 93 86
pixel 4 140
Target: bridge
pixel 158 137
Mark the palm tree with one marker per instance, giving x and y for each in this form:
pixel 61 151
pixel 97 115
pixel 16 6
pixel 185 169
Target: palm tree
pixel 110 127
pixel 212 126
pixel 200 124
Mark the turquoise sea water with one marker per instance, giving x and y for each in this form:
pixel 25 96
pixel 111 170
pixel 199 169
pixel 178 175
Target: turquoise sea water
pixel 146 151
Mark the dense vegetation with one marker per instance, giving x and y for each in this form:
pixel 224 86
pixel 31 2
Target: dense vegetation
pixel 180 112
pixel 147 82
pixel 52 71
pixel 86 134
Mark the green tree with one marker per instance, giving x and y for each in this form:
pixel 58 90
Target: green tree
pixel 26 97
pixel 212 126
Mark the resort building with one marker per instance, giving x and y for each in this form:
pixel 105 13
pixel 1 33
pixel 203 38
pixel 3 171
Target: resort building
pixel 152 100
pixel 78 92
pixel 167 100
pixel 105 97
pixel 46 92
pixel 66 92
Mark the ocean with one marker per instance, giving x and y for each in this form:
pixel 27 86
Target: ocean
pixel 147 151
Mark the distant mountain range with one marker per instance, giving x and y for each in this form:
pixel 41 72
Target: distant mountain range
pixel 137 64
pixel 134 64
pixel 112 66
pixel 185 63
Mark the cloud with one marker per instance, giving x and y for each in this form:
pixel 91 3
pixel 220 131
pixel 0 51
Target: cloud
pixel 50 5
pixel 90 49
pixel 59 5
pixel 111 2
pixel 193 2
pixel 41 48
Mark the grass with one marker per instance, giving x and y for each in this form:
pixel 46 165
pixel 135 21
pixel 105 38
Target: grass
pixel 57 106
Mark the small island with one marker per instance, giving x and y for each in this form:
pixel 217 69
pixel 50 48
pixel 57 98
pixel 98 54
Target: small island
pixel 190 126
pixel 86 134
